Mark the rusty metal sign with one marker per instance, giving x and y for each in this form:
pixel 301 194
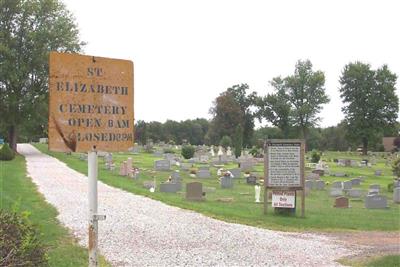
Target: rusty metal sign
pixel 90 103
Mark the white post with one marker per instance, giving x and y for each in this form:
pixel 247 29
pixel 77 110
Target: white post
pixel 93 222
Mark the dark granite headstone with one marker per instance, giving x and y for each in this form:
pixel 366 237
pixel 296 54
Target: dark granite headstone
pixel 341 202
pixel 194 191
pixel 252 180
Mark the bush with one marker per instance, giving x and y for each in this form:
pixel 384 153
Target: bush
pixel 315 156
pixel 396 167
pixel 187 151
pixel 19 242
pixel 6 153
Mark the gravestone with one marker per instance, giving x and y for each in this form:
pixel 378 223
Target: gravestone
pixel 175 177
pixel 356 181
pixel 203 174
pixel 336 192
pixel 185 166
pixel 319 185
pixel 396 183
pixel 235 172
pixel 129 166
pixel 246 166
pixel 347 162
pixel 149 184
pixel 313 176
pixel 347 185
pixel 194 191
pixel 341 202
pixel 170 187
pixel 123 171
pixel 309 184
pixel 204 167
pixel 158 154
pixel 396 195
pixel 341 162
pixel 378 173
pixel 226 182
pixel 375 187
pixel 204 158
pixel 353 163
pixel 319 172
pixel 337 184
pixel 252 180
pixel 376 202
pixel 162 165
pixel 355 193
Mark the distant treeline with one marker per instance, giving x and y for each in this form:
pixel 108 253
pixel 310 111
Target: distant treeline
pixel 197 132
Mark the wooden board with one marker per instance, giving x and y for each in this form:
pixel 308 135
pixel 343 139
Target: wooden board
pixel 90 103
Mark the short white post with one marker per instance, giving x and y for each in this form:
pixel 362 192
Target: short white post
pixel 257 193
pixel 93 222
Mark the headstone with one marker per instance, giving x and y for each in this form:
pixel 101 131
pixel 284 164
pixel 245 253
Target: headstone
pixel 336 192
pixel 204 158
pixel 149 184
pixel 162 165
pixel 347 162
pixel 353 163
pixel 229 151
pixel 375 187
pixel 194 191
pixel 236 173
pixel 376 202
pixel 396 195
pixel 319 172
pixel 123 169
pixel 313 176
pixel 396 183
pixel 246 166
pixel 170 187
pixel 378 173
pixel 319 185
pixel 347 185
pixel 41 140
pixel 185 166
pixel 341 202
pixel 355 193
pixel 339 174
pixel 252 180
pixel 212 151
pixel 175 177
pixel 356 181
pixel 203 174
pixel 337 184
pixel 226 182
pixel 309 184
pixel 129 166
pixel 158 154
pixel 220 153
pixel 204 167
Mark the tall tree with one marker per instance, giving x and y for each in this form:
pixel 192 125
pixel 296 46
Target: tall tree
pixel 275 107
pixel 227 114
pixel 370 101
pixel 306 94
pixel 238 141
pixel 245 100
pixel 29 30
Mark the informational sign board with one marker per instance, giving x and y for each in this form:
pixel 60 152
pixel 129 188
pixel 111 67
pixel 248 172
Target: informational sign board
pixel 284 172
pixel 90 103
pixel 284 164
pixel 283 199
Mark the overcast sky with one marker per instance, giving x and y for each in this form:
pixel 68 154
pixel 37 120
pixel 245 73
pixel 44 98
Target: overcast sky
pixel 186 53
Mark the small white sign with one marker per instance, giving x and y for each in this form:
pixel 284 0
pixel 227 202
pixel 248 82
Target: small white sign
pixel 283 199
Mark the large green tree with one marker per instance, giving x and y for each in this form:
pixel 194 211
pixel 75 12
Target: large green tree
pixel 275 107
pixel 29 30
pixel 370 101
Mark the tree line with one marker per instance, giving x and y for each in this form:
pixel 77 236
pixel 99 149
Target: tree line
pixel 29 30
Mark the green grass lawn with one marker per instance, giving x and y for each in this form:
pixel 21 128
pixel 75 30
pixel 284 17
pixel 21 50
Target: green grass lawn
pixel 375 261
pixel 16 190
pixel 320 213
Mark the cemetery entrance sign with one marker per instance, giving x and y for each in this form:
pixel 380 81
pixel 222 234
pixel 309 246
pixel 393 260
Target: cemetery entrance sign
pixel 90 103
pixel 284 170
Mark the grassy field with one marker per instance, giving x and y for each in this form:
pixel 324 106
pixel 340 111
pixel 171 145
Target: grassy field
pixel 376 261
pixel 320 213
pixel 18 191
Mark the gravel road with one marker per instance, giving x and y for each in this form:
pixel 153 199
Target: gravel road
pixel 143 232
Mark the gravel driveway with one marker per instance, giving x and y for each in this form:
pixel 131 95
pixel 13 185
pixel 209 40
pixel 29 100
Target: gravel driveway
pixel 143 232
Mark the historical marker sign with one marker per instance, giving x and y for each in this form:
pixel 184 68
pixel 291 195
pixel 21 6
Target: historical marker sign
pixel 284 164
pixel 284 172
pixel 91 103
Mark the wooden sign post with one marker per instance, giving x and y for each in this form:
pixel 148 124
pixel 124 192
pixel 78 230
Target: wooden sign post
pixel 90 109
pixel 284 172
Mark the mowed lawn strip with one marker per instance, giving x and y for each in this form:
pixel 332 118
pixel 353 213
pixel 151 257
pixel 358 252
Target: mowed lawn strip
pixel 18 192
pixel 320 213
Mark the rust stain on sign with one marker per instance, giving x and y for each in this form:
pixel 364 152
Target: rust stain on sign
pixel 91 103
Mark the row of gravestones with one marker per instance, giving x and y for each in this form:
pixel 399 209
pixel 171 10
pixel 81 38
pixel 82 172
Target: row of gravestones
pixel 371 202
pixel 165 165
